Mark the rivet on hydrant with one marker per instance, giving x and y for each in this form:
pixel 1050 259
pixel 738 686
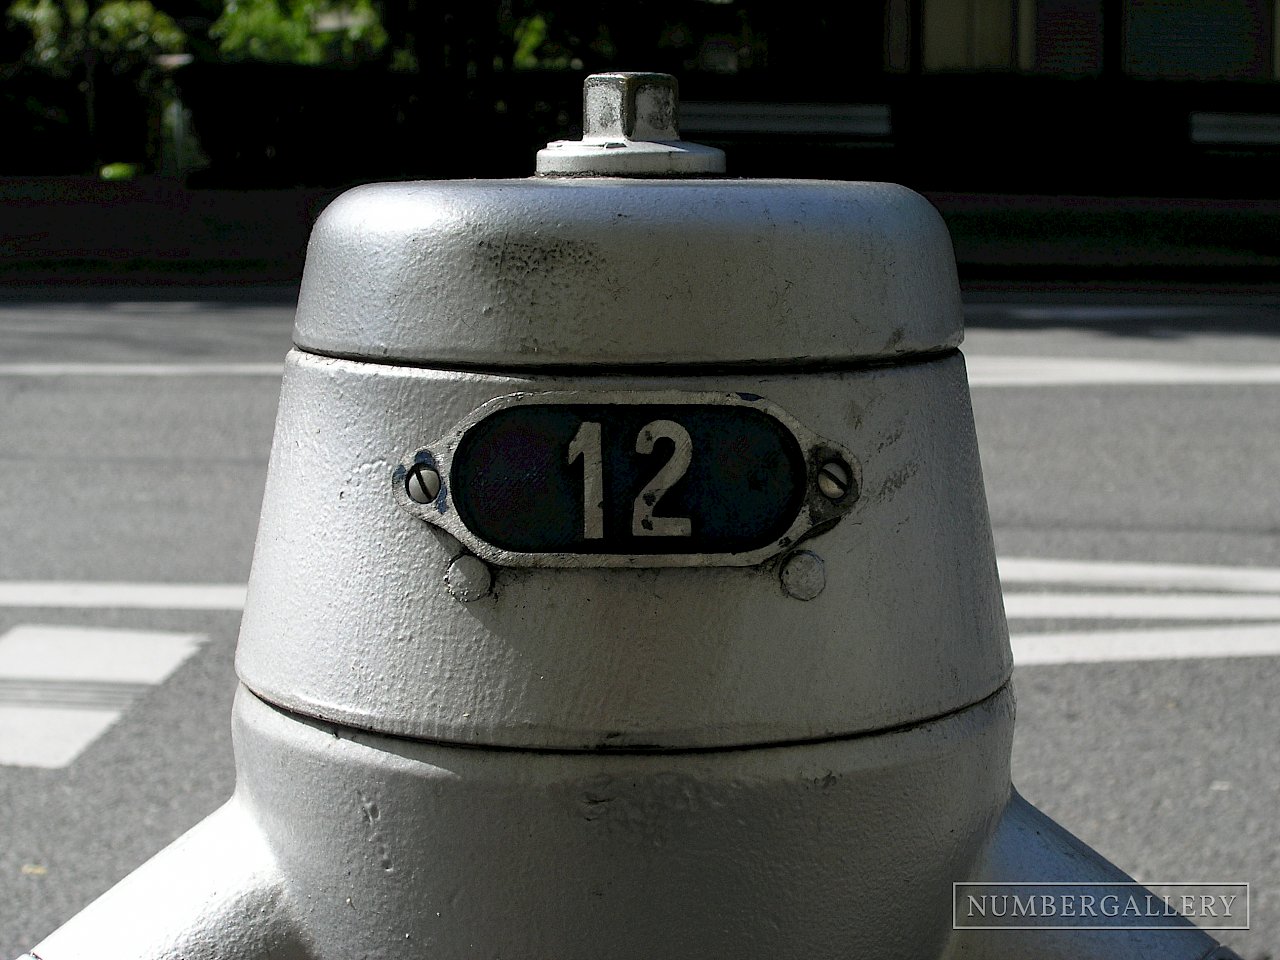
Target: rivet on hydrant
pixel 469 579
pixel 803 575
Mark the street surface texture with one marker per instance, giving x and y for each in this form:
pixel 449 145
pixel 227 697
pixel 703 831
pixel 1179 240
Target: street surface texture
pixel 1130 453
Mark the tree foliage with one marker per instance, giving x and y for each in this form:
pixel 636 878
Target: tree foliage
pixel 123 35
pixel 299 31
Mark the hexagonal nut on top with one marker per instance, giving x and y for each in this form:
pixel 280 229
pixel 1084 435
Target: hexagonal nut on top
pixel 631 106
pixel 630 128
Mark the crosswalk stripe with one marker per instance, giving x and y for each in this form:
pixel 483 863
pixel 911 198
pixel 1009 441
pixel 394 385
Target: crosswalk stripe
pixel 68 694
pixel 62 687
pixel 998 371
pixel 136 596
pixel 1182 643
pixel 49 738
pixel 1178 592
pixel 141 369
pixel 1083 590
pixel 1141 606
pixel 1149 576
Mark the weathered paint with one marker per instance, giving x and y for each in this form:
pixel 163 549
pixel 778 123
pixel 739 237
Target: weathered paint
pixel 609 272
pixel 579 763
pixel 349 617
pixel 751 480
pixel 341 843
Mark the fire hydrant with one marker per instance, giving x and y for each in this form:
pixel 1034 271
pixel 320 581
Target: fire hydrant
pixel 624 588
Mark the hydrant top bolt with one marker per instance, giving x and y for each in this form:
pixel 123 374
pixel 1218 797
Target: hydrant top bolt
pixel 630 128
pixel 634 106
pixel 423 484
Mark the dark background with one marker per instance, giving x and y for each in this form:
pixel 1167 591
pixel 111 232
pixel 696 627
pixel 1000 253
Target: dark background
pixel 1076 140
pixel 1071 145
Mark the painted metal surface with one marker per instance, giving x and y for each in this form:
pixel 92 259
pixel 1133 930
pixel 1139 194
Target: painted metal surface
pixel 435 851
pixel 596 478
pixel 441 758
pixel 606 272
pixel 215 893
pixel 341 843
pixel 349 618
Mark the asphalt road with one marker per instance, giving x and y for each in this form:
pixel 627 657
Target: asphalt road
pixel 151 473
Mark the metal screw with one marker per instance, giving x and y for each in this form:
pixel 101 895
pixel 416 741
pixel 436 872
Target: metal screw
pixel 803 575
pixel 468 578
pixel 422 483
pixel 834 479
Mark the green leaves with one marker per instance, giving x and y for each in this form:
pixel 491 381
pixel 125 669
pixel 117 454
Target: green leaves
pixel 57 31
pixel 530 34
pixel 123 34
pixel 134 30
pixel 299 31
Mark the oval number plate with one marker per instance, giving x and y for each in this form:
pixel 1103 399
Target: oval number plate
pixel 629 479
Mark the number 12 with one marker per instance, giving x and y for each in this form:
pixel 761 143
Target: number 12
pixel 586 444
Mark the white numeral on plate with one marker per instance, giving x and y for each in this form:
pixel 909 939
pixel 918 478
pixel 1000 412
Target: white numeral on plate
pixel 586 444
pixel 643 522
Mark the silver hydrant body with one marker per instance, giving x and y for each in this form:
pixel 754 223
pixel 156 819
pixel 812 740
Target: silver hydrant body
pixel 624 588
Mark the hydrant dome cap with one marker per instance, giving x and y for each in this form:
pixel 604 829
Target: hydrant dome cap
pixel 612 271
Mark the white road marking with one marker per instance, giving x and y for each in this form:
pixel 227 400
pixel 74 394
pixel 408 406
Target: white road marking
pixel 1150 576
pixel 1141 606
pixel 141 369
pixel 66 594
pixel 996 371
pixel 30 652
pixel 80 694
pixel 1180 592
pixel 49 737
pixel 1182 643
pixel 62 687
